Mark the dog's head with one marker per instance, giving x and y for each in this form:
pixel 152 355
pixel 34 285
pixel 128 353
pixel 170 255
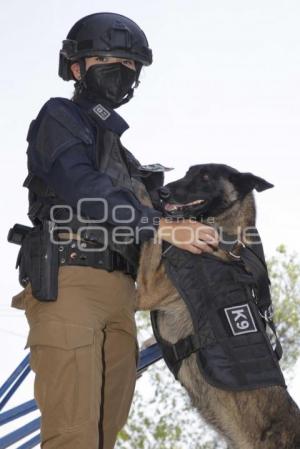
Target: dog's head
pixel 208 190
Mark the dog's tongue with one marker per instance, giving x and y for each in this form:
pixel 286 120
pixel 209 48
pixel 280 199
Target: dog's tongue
pixel 169 207
pixel 174 206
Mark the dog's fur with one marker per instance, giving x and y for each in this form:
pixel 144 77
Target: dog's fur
pixel 267 418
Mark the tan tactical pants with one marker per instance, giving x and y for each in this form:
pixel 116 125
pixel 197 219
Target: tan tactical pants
pixel 84 353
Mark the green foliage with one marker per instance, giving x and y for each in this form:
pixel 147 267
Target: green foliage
pixel 161 415
pixel 284 272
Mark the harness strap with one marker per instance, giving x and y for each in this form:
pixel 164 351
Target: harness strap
pixel 259 271
pixel 270 323
pixel 230 242
pixel 254 261
pixel 183 348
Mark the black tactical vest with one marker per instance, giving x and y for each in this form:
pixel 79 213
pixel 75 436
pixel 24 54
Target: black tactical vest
pixel 223 299
pixel 110 158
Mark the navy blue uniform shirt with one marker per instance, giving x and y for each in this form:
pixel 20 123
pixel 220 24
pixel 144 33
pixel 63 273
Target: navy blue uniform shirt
pixel 64 157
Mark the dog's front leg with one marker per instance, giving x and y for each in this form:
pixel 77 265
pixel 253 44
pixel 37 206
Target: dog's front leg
pixel 153 286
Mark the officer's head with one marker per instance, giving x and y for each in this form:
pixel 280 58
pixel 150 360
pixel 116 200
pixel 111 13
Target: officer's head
pixel 104 53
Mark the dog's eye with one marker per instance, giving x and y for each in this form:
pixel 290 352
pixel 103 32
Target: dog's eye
pixel 205 177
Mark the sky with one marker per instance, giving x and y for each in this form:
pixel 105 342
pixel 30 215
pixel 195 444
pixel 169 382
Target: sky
pixel 223 88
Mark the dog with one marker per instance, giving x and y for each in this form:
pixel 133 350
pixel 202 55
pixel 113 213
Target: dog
pixel 218 195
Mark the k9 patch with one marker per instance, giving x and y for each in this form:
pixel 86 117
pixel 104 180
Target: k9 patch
pixel 240 319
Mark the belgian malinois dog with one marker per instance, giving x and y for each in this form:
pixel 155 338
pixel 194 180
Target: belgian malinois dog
pixel 264 418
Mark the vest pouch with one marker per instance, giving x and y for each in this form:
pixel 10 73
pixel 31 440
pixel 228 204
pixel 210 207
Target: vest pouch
pixel 39 263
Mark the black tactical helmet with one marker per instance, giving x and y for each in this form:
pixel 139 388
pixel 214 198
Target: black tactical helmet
pixel 103 34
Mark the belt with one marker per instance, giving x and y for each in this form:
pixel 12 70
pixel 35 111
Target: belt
pixel 90 255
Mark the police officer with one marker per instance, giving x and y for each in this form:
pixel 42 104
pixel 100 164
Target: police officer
pixel 83 187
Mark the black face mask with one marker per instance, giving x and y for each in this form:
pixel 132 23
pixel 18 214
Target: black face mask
pixel 109 83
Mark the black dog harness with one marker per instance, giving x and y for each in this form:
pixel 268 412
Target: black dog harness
pixel 230 306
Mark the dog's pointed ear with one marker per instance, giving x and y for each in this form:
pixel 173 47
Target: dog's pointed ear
pixel 246 182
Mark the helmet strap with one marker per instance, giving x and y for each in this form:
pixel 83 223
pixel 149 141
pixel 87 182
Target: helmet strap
pixel 81 63
pixel 139 67
pixel 131 91
pixel 80 84
pixel 127 98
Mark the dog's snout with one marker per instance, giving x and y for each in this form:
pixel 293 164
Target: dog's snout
pixel 164 192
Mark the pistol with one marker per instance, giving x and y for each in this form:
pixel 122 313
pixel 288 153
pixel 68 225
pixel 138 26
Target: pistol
pixel 17 233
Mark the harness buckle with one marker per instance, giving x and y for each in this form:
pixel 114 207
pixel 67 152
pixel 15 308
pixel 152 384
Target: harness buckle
pixel 267 314
pixel 236 244
pixel 184 347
